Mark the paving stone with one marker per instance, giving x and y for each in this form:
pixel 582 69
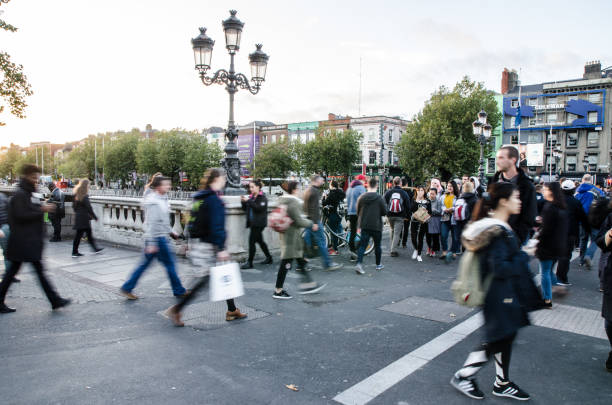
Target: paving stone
pixel 428 308
pixel 211 315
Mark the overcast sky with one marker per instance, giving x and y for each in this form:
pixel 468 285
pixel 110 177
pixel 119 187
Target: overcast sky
pixel 98 66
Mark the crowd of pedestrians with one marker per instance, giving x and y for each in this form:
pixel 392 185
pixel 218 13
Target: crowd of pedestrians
pixel 507 225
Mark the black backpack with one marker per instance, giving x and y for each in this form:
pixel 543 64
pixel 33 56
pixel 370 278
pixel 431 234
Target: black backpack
pixel 199 223
pixel 599 210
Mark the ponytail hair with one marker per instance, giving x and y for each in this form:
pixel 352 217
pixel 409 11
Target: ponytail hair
pixel 490 200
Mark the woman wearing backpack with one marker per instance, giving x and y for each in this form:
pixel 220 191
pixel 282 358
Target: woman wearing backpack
pixel 418 229
pixel 207 230
pixel 292 244
pixel 256 207
pixel 447 227
pixel 552 238
pixel 511 293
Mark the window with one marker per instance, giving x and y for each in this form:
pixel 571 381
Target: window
pixel 281 138
pixel 594 97
pixel 514 139
pixel 372 159
pixel 491 165
pixel 572 139
pixel 593 140
pixel 514 103
pixel 264 139
pixel 573 97
pixel 540 118
pixel 593 160
pixel 532 101
pixel 551 100
pixel 534 138
pixel 390 157
pixel 551 117
pixel 512 122
pixel 371 135
pixel 550 164
pixel 571 117
pixel 570 163
pixel 593 117
pixel 551 139
pixel 390 136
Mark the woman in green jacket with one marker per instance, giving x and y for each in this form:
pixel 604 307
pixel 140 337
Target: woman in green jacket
pixel 292 244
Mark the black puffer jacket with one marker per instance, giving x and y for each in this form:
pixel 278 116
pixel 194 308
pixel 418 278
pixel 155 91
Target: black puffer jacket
pixel 25 243
pixel 575 215
pixel 332 200
pixel 523 222
pixel 553 233
pixel 256 211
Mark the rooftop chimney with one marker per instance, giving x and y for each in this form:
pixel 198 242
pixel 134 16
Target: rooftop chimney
pixel 592 70
pixel 509 80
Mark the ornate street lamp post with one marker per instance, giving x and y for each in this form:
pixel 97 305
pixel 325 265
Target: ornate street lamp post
pixel 482 130
pixel 202 50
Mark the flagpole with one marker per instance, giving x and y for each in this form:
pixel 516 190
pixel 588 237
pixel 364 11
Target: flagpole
pixel 551 155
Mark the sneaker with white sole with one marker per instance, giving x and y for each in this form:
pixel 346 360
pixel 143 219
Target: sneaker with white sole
pixel 467 386
pixel 414 255
pixel 283 295
pixel 359 269
pixel 510 390
pixel 379 267
pixel 312 290
pixel 419 258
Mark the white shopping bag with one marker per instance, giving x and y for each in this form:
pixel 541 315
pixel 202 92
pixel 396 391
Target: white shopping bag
pixel 225 282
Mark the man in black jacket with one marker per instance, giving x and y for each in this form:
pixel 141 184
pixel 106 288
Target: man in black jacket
pixel 507 158
pixel 398 209
pixel 57 198
pixel 25 243
pixel 370 211
pixel 256 206
pixel 575 216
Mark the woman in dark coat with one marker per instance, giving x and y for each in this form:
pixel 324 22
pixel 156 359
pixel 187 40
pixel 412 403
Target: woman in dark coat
pixel 553 237
pixel 256 207
pixel 604 241
pixel 511 293
pixel 83 213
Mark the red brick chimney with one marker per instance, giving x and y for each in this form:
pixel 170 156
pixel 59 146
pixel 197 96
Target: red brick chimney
pixel 504 81
pixel 331 116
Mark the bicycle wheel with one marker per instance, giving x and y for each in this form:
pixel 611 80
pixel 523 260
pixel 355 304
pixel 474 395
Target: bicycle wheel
pixel 368 248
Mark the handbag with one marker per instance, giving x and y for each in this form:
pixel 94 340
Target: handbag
pixel 421 215
pixel 225 282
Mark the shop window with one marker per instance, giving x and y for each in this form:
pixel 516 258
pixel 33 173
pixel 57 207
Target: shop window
pixel 593 117
pixel 372 159
pixel 514 139
pixel 570 163
pixel 594 97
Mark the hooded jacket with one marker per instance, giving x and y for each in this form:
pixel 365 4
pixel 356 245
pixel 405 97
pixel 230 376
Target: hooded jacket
pixel 370 210
pixel 157 216
pixel 333 199
pixel 585 193
pixel 512 293
pixel 525 220
pixel 575 215
pixel 210 218
pixel 478 188
pixel 405 201
pixel 353 194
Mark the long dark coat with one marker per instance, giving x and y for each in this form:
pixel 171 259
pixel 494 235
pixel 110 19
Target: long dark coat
pixel 256 211
pixel 606 309
pixel 83 213
pixel 25 243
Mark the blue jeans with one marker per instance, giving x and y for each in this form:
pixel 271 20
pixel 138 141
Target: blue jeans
pixel 4 244
pixel 548 278
pixel 319 239
pixel 445 230
pixel 365 239
pixel 166 257
pixel 335 224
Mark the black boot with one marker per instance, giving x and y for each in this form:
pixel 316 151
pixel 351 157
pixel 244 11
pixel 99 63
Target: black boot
pixel 267 261
pixel 609 363
pixel 6 310
pixel 246 265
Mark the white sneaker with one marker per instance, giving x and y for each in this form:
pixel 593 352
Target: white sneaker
pixel 419 259
pixel 414 255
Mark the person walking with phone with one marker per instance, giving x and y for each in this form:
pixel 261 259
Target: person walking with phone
pixel 256 207
pixel 208 234
pixel 83 213
pixel 156 230
pixel 25 242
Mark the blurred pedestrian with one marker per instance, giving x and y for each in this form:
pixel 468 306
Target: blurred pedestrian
pixel 398 209
pixel 406 229
pixel 462 210
pixel 604 241
pixel 312 209
pixel 5 232
pixel 552 238
pixel 83 213
pixel 434 224
pixel 331 202
pixel 354 192
pixel 588 194
pixel 156 244
pixel 256 207
pixel 478 188
pixel 576 217
pixel 57 198
pixel 418 229
pixel 371 208
pixel 207 238
pixel 511 293
pixel 25 243
pixel 292 244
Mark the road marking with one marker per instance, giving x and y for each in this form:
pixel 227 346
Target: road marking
pixel 368 389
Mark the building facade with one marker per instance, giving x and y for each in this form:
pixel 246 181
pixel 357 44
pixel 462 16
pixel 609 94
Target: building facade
pixel 565 126
pixel 379 136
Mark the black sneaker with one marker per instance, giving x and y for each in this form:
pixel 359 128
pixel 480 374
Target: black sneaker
pixel 267 261
pixel 99 250
pixel 467 386
pixel 283 295
pixel 312 290
pixel 61 303
pixel 5 309
pixel 77 254
pixel 510 390
pixel 246 266
pixel 333 266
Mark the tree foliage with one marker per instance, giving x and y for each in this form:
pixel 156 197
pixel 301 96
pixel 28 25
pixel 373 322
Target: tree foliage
pixel 146 156
pixel 273 161
pixel 332 153
pixel 80 162
pixel 9 162
pixel 14 86
pixel 199 156
pixel 120 157
pixel 439 141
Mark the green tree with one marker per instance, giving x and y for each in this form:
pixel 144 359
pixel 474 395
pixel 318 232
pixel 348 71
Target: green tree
pixel 439 141
pixel 80 161
pixel 146 156
pixel 172 147
pixel 273 160
pixel 120 157
pixel 9 162
pixel 332 153
pixel 14 86
pixel 199 156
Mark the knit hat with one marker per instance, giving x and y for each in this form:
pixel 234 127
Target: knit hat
pixel 361 177
pixel 568 185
